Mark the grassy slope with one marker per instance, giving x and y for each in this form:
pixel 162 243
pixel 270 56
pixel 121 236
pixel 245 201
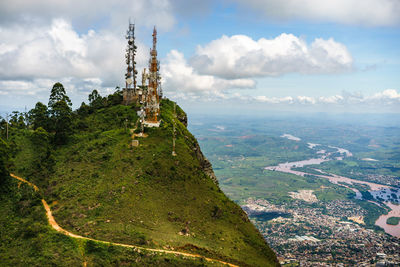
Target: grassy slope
pixel 28 240
pixel 102 188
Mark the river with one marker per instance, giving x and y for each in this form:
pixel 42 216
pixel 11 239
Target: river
pixel 375 189
pixel 381 222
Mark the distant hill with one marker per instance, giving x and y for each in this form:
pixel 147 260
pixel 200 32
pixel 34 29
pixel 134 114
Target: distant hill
pixel 100 186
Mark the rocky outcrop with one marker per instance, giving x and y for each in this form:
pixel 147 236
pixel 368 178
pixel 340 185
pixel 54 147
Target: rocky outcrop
pixel 205 163
pixel 182 117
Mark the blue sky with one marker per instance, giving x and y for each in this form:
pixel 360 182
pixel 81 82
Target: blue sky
pixel 261 55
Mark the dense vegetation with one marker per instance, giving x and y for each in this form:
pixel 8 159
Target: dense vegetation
pixel 4 154
pixel 393 220
pixel 100 186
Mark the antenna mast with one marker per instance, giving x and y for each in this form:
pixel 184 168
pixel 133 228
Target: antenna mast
pixel 130 76
pixel 7 124
pixel 153 101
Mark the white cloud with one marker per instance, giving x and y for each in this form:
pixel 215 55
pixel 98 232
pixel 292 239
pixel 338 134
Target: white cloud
pixel 389 98
pixel 38 42
pixel 15 87
pixel 239 56
pixel 387 94
pixel 358 12
pixel 34 87
pixel 58 52
pixel 306 100
pixel 274 100
pixel 330 99
pixel 178 76
pixel 386 97
pixel 85 13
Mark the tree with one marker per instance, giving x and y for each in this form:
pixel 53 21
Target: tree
pixel 3 127
pixel 39 116
pixel 17 120
pixel 83 110
pixel 62 119
pixel 43 162
pixel 60 113
pixel 4 155
pixel 93 96
pixel 115 98
pixel 95 100
pixel 58 94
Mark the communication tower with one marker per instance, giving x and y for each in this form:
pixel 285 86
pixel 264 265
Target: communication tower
pixel 129 92
pixel 153 99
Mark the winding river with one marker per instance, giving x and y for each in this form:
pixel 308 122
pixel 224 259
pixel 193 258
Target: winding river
pixel 375 189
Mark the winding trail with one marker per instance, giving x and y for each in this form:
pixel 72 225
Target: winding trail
pixel 58 228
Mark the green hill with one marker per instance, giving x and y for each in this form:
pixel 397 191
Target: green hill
pixel 99 186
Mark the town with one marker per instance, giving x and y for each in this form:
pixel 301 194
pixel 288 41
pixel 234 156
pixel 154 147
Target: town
pixel 330 234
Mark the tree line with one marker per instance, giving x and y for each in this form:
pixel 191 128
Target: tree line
pixel 49 126
pixel 56 118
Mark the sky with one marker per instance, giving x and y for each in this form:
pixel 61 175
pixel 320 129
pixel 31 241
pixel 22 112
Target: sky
pixel 236 57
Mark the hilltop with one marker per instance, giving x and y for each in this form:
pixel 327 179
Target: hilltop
pixel 100 186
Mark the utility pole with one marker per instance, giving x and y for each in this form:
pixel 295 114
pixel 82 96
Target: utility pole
pixel 26 118
pixel 142 116
pixel 7 124
pixel 173 132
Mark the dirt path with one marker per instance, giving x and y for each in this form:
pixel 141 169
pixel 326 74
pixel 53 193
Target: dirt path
pixel 58 228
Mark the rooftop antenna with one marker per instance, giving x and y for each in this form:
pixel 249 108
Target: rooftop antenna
pixel 174 132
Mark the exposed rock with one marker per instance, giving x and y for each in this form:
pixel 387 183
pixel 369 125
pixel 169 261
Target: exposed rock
pixel 205 163
pixel 183 119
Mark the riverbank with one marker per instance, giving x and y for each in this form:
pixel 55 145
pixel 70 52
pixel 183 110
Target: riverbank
pixel 375 189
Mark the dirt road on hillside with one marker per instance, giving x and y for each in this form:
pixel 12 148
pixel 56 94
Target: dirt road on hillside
pixel 58 228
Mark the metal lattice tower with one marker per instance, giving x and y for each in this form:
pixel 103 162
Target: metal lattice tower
pixel 153 100
pixel 131 72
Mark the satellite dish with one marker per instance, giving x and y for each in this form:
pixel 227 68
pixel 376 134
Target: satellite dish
pixel 129 81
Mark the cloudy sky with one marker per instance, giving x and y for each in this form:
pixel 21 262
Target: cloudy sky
pixel 259 55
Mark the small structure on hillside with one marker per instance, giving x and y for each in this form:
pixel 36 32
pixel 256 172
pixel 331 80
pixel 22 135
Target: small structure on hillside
pixel 148 95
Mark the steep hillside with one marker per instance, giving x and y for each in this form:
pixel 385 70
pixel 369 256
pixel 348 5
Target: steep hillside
pixel 28 240
pixel 99 186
